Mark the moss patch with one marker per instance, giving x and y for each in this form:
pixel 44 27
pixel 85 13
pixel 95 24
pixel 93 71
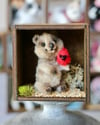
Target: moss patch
pixel 26 90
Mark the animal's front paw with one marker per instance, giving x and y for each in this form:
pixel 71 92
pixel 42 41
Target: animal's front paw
pixel 49 90
pixel 62 88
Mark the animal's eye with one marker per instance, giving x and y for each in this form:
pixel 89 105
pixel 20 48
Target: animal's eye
pixel 43 44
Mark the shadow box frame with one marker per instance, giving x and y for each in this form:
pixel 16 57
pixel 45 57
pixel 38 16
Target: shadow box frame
pixel 77 26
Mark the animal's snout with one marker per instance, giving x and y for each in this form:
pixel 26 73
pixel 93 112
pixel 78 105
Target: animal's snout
pixel 29 6
pixel 51 45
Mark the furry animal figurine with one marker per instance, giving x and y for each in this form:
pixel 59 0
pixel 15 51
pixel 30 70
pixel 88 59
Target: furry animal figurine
pixel 48 75
pixel 28 14
pixel 67 14
pixel 73 15
pixel 15 5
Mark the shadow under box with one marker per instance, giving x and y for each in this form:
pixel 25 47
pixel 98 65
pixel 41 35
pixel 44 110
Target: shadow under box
pixel 75 38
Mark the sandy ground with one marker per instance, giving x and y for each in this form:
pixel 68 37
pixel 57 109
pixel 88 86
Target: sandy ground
pixel 69 93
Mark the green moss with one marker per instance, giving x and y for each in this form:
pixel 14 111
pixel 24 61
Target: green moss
pixel 26 90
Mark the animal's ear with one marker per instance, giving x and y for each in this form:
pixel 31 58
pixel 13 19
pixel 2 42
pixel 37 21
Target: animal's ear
pixel 54 38
pixel 35 39
pixel 60 43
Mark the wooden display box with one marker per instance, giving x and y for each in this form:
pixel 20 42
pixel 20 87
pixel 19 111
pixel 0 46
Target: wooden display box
pixel 76 39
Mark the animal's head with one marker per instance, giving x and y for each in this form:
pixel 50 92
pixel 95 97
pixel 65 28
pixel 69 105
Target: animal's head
pixel 73 11
pixel 47 45
pixel 31 7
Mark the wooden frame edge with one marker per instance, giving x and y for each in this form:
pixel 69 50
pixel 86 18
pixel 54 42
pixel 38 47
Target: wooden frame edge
pixel 14 64
pixel 88 65
pixel 80 26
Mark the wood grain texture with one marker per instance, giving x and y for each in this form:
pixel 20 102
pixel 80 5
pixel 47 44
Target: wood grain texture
pixel 14 72
pixel 51 99
pixel 88 66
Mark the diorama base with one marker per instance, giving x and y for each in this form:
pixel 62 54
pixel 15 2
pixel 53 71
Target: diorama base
pixel 53 113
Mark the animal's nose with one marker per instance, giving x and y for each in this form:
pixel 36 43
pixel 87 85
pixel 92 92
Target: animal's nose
pixel 29 6
pixel 51 45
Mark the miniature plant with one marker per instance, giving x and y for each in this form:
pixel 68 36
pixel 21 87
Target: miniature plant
pixel 74 78
pixel 26 90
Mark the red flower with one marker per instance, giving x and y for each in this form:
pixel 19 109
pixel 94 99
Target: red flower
pixel 63 57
